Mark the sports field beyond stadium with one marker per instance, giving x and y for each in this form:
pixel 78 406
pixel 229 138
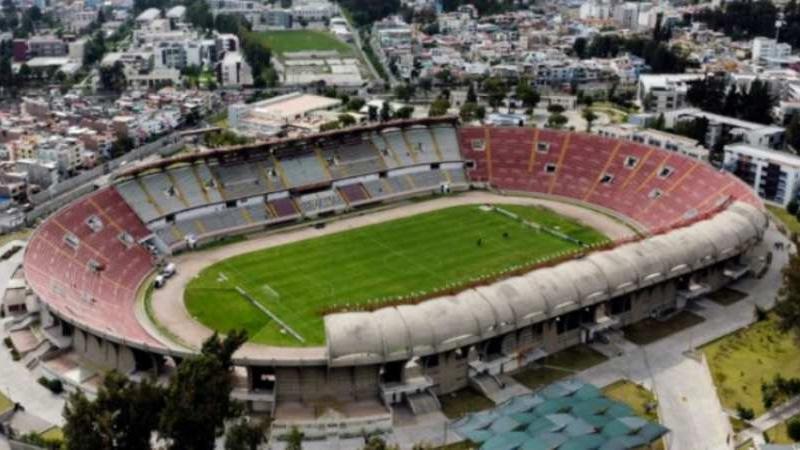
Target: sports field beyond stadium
pixel 410 256
pixel 287 41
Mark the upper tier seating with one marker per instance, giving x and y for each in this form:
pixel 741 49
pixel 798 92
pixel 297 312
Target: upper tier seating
pixel 656 188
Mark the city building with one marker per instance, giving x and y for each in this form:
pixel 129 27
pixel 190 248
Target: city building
pixel 719 126
pixel 664 92
pixel 773 174
pixel 655 138
pixel 766 51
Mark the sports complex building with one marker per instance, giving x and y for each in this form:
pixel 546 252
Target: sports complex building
pixel 91 263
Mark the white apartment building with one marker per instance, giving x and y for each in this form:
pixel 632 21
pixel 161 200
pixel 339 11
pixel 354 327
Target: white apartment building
pixel 661 139
pixel 595 9
pixel 313 10
pixel 766 50
pixel 664 92
pixel 757 134
pixel 234 71
pixel 773 174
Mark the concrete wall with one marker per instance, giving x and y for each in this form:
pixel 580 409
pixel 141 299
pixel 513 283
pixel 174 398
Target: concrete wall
pixel 104 353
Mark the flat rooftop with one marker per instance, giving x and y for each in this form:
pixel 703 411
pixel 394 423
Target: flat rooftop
pixel 293 105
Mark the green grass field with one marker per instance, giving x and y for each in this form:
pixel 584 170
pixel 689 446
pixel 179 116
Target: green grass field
pixel 741 361
pixel 425 253
pixel 779 434
pixel 286 41
pixel 5 403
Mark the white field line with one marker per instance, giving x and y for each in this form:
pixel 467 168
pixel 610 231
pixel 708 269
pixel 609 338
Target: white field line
pixel 269 313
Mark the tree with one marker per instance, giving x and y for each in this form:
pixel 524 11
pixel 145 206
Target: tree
pixel 197 401
pixel 439 107
pixel 589 116
pixel 123 144
pixel 112 78
pixel 495 90
pixel 579 47
pixel 377 443
pixel 25 73
pixel 404 92
pixel 355 104
pixel 555 108
pixel 659 123
pixel 792 132
pixel 787 308
pixel 7 80
pixel 294 441
pixel 556 120
pixel 471 111
pixel 732 104
pixel 123 417
pixel 372 112
pixel 793 206
pixel 527 95
pixel 759 101
pixel 793 430
pixel 347 120
pixel 404 113
pixel 386 111
pixel 246 435
pixel 472 97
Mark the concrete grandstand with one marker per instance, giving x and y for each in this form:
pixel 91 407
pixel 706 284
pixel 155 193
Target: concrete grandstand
pixel 89 262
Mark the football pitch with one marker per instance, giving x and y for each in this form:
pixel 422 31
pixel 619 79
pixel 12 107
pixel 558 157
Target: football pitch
pixel 295 283
pixel 286 41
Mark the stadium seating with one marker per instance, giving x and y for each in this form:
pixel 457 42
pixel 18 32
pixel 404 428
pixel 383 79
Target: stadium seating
pixel 321 202
pixel 303 170
pixel 447 141
pixel 656 188
pixel 420 141
pixel 87 262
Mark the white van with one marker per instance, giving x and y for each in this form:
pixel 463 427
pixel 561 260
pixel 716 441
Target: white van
pixel 169 270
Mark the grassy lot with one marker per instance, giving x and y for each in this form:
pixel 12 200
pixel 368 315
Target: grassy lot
pixel 741 361
pixel 639 399
pixel 425 253
pixel 634 396
pixel 286 41
pixel 559 365
pixel 791 222
pixel 778 433
pixel 53 434
pixel 463 402
pixel 5 403
pixel 726 296
pixel 463 445
pixel 650 330
pixel 8 237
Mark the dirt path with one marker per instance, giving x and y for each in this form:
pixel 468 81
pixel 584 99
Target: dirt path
pixel 171 313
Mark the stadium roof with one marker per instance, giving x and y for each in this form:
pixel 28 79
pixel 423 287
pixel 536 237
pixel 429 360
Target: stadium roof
pixel 450 322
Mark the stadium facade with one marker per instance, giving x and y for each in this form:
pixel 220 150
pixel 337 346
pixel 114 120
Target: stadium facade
pixel 89 262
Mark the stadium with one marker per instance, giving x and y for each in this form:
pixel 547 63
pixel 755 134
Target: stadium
pixel 385 265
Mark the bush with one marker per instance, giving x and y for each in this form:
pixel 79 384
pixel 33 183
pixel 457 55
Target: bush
pixel 746 414
pixel 761 314
pixel 15 355
pixel 793 207
pixel 793 430
pixel 8 343
pixel 55 386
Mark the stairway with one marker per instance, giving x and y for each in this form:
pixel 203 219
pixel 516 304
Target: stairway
pixel 423 403
pixel 486 384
